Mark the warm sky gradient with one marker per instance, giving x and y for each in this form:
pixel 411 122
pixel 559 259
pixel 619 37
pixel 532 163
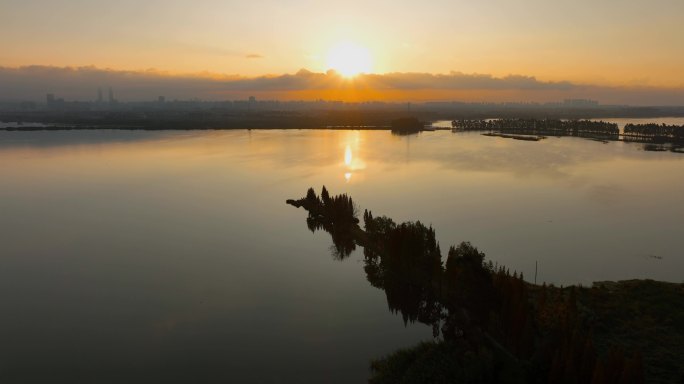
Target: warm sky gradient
pixel 633 44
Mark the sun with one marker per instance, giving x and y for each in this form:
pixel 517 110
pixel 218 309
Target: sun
pixel 349 59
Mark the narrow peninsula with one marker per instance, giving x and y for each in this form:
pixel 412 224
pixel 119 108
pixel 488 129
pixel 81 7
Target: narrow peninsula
pixel 493 326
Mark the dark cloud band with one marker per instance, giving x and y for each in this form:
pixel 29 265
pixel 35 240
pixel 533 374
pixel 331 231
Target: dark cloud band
pixel 81 83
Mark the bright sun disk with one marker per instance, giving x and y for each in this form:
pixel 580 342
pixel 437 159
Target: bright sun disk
pixel 349 59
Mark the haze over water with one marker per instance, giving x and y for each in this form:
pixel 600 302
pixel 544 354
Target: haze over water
pixel 172 255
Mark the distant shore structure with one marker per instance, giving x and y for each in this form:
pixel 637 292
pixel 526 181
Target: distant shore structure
pixel 52 101
pixel 580 103
pixel 407 125
pixel 112 100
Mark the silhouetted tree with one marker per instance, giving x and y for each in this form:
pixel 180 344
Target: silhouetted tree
pixel 473 303
pixel 325 197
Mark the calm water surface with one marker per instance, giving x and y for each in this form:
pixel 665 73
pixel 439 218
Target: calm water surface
pixel 172 256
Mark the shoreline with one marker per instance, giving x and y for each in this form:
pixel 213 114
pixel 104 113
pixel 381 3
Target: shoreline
pixel 492 324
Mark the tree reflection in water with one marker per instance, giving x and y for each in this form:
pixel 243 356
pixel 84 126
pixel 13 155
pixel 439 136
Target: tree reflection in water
pixel 513 328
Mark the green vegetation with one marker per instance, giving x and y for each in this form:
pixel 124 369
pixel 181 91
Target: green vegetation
pixel 490 325
pixel 641 315
pixel 444 362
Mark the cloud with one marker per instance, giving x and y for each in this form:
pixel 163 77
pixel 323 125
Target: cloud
pixel 458 80
pixel 254 56
pixel 307 80
pixel 81 83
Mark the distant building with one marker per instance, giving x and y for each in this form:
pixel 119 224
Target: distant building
pixel 54 102
pixel 161 100
pixel 112 100
pixel 99 96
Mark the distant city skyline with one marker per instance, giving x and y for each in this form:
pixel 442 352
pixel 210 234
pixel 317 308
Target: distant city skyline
pixel 53 98
pixel 86 83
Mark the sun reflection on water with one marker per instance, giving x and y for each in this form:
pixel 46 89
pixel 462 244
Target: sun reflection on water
pixel 352 162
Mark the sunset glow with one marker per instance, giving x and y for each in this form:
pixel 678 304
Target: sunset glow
pixel 349 59
pixel 223 51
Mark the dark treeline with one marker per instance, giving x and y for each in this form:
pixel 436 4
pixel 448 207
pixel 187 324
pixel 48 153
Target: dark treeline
pixel 240 114
pixel 336 215
pixel 406 126
pixel 216 115
pixel 579 128
pixel 642 133
pixel 214 118
pixel 494 326
pixel 655 133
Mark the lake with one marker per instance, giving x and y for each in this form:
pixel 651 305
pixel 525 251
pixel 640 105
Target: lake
pixel 134 256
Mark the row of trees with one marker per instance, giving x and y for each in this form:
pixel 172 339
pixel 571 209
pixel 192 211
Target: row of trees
pixel 474 303
pixel 553 127
pixel 658 133
pixel 469 299
pixel 335 215
pixel 338 209
pixel 655 132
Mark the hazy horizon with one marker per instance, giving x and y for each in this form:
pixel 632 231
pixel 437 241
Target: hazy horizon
pixel 32 83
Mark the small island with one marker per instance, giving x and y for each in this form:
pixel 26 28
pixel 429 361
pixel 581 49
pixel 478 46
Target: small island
pixel 655 137
pixel 407 125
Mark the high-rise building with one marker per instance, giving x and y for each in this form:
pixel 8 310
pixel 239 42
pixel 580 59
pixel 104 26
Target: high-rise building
pixel 50 98
pixel 99 96
pixel 112 100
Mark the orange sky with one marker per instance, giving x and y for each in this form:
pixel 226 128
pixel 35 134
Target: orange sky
pixel 612 43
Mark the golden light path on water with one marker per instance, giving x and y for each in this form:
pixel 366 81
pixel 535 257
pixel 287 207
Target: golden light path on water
pixel 347 156
pixel 490 191
pixel 352 162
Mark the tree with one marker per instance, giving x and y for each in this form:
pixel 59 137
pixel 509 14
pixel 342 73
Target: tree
pixel 325 196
